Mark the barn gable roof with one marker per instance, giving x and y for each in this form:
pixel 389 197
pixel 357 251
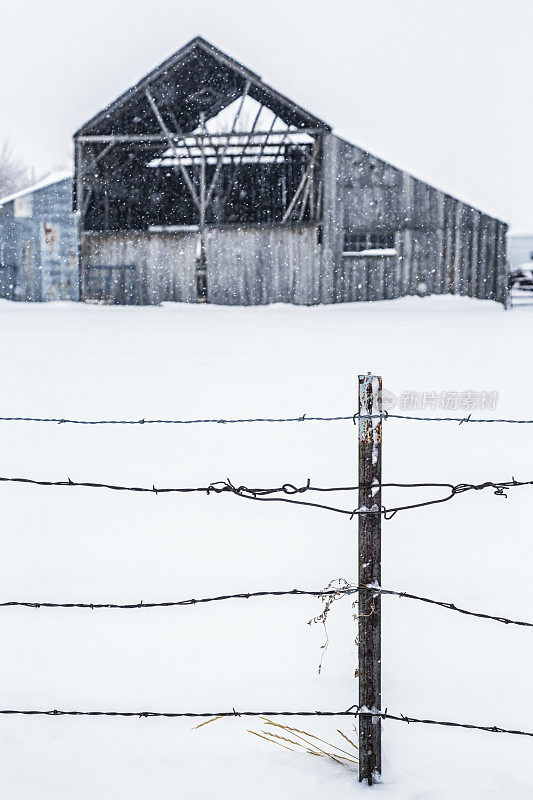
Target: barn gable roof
pixel 198 79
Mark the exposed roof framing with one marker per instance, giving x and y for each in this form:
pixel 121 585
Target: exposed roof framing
pixel 235 148
pixel 198 79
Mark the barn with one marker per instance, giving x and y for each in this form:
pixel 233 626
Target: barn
pixel 38 242
pixel 202 183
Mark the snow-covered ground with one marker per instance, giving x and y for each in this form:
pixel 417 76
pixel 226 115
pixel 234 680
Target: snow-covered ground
pixel 82 545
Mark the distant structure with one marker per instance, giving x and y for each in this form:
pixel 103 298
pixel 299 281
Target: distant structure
pixel 38 242
pixel 520 249
pixel 202 183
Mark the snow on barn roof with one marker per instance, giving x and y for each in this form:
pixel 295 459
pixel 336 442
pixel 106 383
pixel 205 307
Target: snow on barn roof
pixel 49 180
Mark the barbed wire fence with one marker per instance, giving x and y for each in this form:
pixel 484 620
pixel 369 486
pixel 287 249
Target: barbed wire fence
pixel 266 494
pixel 221 421
pixel 369 512
pixel 319 593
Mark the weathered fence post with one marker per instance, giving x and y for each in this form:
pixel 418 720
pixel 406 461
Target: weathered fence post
pixel 369 613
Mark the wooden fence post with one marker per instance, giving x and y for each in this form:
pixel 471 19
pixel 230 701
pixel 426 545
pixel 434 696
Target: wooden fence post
pixel 369 613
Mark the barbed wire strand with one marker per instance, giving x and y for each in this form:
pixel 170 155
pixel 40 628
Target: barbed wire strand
pixel 446 723
pixel 342 590
pixel 446 605
pixel 350 712
pixel 385 415
pixel 189 602
pixel 244 420
pixel 460 420
pixel 264 494
pixel 172 714
pixel 207 421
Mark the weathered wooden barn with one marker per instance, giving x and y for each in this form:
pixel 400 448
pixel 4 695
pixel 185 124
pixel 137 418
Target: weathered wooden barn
pixel 38 242
pixel 202 183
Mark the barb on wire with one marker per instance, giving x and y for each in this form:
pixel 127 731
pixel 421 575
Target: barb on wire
pixel 353 711
pixel 286 489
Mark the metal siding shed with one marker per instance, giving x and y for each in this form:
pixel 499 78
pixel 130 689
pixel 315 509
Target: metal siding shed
pixel 38 242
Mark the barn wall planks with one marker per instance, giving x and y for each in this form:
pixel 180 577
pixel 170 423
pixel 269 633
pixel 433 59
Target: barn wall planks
pixel 331 264
pixel 164 263
pixel 442 245
pixel 245 266
pixel 257 266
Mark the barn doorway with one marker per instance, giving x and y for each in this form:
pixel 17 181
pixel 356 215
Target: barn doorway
pixel 201 285
pixel 110 284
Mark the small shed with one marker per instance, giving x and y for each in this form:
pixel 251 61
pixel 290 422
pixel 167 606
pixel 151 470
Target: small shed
pixel 38 242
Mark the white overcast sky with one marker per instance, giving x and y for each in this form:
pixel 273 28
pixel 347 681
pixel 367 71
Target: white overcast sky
pixel 442 88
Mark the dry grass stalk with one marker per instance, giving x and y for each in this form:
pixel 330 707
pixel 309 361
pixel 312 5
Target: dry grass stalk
pixel 310 747
pixel 284 739
pixel 214 719
pixel 348 740
pixel 320 751
pixel 300 738
pixel 312 736
pixel 270 740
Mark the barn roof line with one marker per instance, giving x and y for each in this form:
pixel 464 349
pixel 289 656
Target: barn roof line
pixel 264 92
pixel 49 180
pixel 415 176
pixel 199 44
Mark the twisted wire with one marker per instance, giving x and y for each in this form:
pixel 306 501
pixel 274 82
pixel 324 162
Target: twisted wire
pixel 286 489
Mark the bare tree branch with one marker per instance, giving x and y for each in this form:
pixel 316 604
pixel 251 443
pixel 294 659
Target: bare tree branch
pixel 13 171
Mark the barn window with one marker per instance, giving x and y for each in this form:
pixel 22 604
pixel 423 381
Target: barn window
pixel 359 242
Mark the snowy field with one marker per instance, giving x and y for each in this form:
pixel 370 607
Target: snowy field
pixel 61 544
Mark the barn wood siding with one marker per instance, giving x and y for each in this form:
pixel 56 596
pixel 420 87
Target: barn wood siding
pixel 332 225
pixel 367 278
pixel 245 266
pixel 443 245
pixel 257 266
pixel 164 263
